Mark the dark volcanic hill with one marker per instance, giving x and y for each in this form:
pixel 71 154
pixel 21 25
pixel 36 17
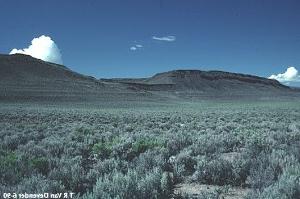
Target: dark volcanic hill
pixel 210 84
pixel 18 68
pixel 23 77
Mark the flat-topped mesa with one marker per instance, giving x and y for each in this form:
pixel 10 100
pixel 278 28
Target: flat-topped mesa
pixel 208 84
pixel 196 76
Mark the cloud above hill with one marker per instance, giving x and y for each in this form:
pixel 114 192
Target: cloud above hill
pixel 166 38
pixel 43 48
pixel 290 75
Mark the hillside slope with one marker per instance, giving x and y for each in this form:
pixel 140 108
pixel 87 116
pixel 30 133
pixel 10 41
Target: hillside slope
pixel 23 77
pixel 210 84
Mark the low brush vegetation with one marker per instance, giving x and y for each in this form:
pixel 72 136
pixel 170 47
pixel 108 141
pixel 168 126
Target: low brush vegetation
pixel 128 153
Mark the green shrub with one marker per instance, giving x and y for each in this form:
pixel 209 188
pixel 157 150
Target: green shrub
pixel 105 167
pixel 39 184
pixel 166 184
pixel 102 150
pixel 179 142
pixel 40 164
pixel 80 133
pixel 215 171
pixel 128 186
pixel 287 186
pixel 9 170
pixel 142 145
pixel 105 148
pixel 183 165
pixel 241 171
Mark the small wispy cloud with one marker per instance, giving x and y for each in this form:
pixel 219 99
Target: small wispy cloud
pixel 290 75
pixel 136 47
pixel 165 38
pixel 133 48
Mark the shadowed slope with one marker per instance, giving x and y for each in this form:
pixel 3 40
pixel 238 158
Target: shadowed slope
pixel 23 77
pixel 22 67
pixel 210 84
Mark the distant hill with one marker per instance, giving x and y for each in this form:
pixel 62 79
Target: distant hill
pixel 18 68
pixel 210 84
pixel 23 77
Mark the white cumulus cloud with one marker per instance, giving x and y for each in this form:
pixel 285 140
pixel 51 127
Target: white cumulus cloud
pixel 43 48
pixel 290 75
pixel 166 38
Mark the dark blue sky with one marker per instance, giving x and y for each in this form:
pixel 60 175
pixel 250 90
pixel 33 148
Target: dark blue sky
pixel 258 37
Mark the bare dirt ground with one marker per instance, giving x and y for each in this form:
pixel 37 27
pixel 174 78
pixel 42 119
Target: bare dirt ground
pixel 195 190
